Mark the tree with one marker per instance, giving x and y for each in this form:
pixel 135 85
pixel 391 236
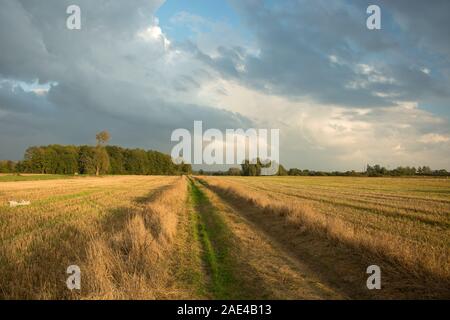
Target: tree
pixel 186 168
pixel 376 171
pixel 234 172
pixel 102 137
pixel 251 169
pixel 86 163
pixel 116 159
pixel 137 161
pixel 7 166
pixel 101 161
pixel 281 171
pixel 101 157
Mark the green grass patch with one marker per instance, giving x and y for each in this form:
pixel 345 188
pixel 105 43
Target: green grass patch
pixel 214 236
pixel 189 268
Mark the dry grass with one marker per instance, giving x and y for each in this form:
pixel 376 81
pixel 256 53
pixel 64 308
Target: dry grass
pixel 119 231
pixel 403 220
pixel 266 269
pixel 137 237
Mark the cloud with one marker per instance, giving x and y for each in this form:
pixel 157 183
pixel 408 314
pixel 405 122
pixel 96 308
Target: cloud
pixel 119 72
pixel 341 95
pixel 300 42
pixel 434 138
pixel 423 22
pixel 318 136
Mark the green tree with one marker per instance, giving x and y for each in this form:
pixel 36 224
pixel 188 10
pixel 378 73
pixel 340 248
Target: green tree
pixel 251 169
pixel 86 163
pixel 282 171
pixel 234 172
pixel 7 166
pixel 101 161
pixel 116 159
pixel 186 168
pixel 101 157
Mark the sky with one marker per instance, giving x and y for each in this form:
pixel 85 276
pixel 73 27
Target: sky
pixel 341 95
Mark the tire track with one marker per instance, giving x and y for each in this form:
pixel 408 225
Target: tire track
pixel 256 268
pixel 336 265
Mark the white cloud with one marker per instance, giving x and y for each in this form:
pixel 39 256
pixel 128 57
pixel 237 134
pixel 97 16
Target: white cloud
pixel 154 34
pixel 133 72
pixel 347 138
pixel 434 138
pixel 333 59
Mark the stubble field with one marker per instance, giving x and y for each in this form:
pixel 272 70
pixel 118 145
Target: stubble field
pixel 138 237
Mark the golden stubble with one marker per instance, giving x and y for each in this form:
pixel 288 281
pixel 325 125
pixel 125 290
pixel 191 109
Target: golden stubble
pixel 119 230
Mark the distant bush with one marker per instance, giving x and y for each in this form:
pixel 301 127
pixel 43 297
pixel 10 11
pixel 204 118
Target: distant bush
pixel 379 171
pixel 7 166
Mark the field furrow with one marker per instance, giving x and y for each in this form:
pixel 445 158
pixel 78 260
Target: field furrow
pixel 418 250
pixel 201 237
pixel 40 241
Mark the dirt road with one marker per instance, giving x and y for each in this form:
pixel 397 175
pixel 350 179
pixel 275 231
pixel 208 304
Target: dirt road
pixel 232 250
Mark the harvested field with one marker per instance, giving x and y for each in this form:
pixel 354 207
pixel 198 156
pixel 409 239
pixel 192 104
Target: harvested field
pixel 113 228
pixel 400 223
pixel 155 237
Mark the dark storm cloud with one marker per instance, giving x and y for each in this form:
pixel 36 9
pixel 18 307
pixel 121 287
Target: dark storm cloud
pixel 119 73
pixel 424 21
pixel 13 99
pixel 27 118
pixel 105 77
pixel 298 40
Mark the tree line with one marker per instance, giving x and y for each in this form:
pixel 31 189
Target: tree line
pixel 379 171
pixel 94 160
pixel 104 159
pixel 254 169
